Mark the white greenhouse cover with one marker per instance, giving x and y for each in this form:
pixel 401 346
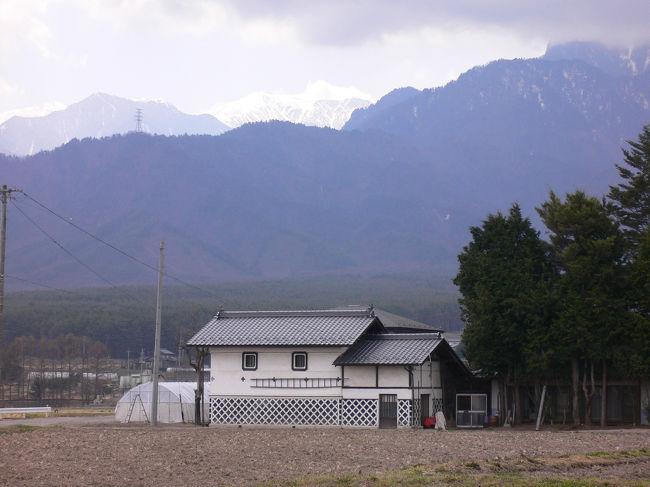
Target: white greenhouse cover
pixel 175 403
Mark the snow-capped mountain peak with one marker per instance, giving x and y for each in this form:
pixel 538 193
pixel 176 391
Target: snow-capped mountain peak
pixel 321 104
pixel 99 115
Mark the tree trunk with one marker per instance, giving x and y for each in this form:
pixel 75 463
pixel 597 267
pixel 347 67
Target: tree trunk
pixel 603 397
pixel 507 397
pixel 575 406
pixel 502 403
pixel 197 365
pixel 96 377
pixel 588 393
pixel 200 387
pixel 518 408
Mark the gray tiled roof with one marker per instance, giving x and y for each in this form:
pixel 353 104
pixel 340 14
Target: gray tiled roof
pixel 339 327
pixel 393 321
pixel 391 349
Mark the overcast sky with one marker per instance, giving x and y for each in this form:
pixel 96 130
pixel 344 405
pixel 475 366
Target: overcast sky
pixel 197 53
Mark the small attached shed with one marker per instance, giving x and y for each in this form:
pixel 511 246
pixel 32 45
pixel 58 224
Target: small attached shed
pixel 175 403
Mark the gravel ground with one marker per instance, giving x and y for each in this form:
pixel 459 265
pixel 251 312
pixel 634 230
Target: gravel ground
pixel 104 454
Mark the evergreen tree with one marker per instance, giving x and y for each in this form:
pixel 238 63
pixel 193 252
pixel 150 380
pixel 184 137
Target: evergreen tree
pixel 503 272
pixel 630 199
pixel 630 206
pixel 588 250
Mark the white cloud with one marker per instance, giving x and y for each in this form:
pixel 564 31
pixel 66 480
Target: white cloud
pixel 194 52
pixel 7 89
pixel 34 111
pixel 188 17
pixel 342 22
pixel 322 90
pixel 21 21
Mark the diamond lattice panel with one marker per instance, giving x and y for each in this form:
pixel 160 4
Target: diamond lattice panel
pixel 359 412
pixel 417 414
pixel 404 412
pixel 274 410
pixel 437 405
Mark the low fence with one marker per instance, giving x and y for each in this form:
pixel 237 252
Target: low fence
pixel 24 411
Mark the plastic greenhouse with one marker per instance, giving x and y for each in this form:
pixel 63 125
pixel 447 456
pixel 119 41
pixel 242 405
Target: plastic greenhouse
pixel 175 403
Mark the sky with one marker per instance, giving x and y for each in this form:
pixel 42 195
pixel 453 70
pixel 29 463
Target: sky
pixel 196 54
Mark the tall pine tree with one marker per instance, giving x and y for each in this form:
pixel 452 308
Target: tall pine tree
pixel 630 199
pixel 630 205
pixel 503 271
pixel 588 250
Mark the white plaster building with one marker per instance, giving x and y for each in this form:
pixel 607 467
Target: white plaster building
pixel 342 367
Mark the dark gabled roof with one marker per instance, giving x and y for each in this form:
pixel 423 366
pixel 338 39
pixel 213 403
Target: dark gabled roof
pixel 334 327
pixel 391 349
pixel 399 324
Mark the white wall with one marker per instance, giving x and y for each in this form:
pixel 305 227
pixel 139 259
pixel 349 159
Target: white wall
pixel 393 376
pixel 427 376
pixel 226 370
pixel 393 379
pixel 360 381
pixel 374 393
pixel 360 376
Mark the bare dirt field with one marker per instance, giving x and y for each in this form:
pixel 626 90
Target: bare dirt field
pixel 106 454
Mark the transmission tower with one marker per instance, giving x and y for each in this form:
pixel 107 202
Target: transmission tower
pixel 138 119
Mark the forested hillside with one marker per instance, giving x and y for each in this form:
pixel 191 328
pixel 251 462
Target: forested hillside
pixel 123 318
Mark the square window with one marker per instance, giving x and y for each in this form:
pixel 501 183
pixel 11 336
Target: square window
pixel 299 361
pixel 249 361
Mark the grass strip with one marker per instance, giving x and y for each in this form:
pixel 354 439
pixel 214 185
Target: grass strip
pixel 17 428
pixel 512 472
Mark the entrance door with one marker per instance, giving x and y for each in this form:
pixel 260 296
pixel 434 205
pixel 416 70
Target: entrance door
pixel 388 410
pixel 424 407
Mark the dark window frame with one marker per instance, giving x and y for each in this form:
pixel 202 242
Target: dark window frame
pixel 243 360
pixel 293 361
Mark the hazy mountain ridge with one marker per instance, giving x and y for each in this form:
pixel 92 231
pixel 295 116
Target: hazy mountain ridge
pixel 100 115
pixel 573 78
pixel 615 62
pixel 395 195
pixel 307 206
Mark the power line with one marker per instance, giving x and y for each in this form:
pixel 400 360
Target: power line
pixel 113 286
pixel 116 249
pixel 33 283
pixel 62 247
pixel 67 220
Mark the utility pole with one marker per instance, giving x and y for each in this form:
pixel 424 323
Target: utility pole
pixel 156 351
pixel 5 194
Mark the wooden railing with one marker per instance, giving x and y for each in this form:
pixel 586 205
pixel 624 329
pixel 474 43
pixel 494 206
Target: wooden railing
pixel 297 382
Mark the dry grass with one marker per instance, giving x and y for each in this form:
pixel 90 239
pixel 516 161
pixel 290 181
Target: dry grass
pixel 524 472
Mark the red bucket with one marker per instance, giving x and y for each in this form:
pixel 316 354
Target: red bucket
pixel 429 422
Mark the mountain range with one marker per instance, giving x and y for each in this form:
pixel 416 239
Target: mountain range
pixel 395 191
pixel 102 115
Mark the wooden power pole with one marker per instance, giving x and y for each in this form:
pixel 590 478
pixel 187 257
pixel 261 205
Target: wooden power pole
pixel 156 351
pixel 5 194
